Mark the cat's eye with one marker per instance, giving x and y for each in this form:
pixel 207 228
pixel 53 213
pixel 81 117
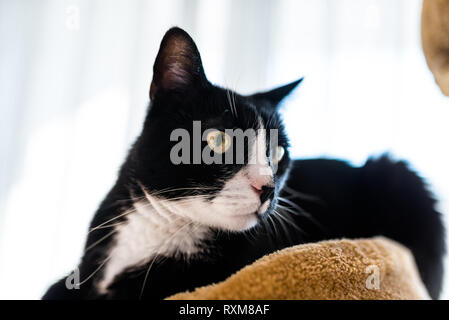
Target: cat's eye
pixel 278 154
pixel 218 141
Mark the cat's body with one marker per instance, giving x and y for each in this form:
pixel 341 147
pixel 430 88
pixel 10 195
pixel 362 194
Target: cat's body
pixel 381 198
pixel 166 227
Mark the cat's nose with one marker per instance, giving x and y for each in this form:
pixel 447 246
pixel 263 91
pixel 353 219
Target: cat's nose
pixel 261 179
pixel 264 192
pixel 258 181
pixel 267 193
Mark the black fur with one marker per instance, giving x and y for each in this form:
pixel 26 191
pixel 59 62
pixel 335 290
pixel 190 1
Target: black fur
pixel 324 199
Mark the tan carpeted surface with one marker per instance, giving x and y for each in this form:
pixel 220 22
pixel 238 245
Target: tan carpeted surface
pixel 435 40
pixel 340 269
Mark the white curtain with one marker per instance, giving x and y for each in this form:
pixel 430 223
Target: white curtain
pixel 74 79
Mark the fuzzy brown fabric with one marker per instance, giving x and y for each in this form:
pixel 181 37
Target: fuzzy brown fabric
pixel 340 269
pixel 435 40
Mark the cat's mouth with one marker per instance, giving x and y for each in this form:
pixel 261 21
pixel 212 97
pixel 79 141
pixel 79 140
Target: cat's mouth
pixel 244 214
pixel 248 217
pixel 256 210
pixel 264 207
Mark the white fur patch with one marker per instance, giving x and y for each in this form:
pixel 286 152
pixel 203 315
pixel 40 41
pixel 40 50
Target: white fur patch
pixel 149 231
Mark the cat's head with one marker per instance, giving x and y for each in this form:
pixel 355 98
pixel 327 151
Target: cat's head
pixel 206 153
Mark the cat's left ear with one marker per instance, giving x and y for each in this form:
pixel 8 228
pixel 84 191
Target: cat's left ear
pixel 275 96
pixel 178 63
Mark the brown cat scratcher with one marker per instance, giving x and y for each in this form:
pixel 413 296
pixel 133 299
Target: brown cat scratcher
pixel 376 268
pixel 435 40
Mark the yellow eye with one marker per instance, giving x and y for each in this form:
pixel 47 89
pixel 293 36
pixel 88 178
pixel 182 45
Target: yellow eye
pixel 218 141
pixel 278 154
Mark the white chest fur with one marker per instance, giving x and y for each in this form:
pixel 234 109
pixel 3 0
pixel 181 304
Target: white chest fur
pixel 150 231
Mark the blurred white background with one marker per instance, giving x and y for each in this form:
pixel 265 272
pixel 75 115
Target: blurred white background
pixel 74 80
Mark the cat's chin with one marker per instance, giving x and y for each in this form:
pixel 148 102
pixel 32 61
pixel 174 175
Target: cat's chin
pixel 238 222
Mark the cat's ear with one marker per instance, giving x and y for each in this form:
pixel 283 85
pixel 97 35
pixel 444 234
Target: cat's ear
pixel 178 63
pixel 275 96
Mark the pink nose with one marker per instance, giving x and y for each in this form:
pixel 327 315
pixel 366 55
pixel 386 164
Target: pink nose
pixel 260 177
pixel 257 189
pixel 265 191
pixel 259 184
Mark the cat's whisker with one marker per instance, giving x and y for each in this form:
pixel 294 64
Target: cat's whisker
pixel 290 210
pixel 126 212
pixel 301 212
pixel 127 200
pixel 129 211
pixel 230 102
pixel 250 236
pixel 95 271
pixel 106 226
pixel 110 225
pixel 274 225
pixel 291 203
pixel 301 195
pixel 288 221
pixel 282 223
pixel 168 190
pixel 184 188
pixel 184 198
pixel 233 196
pixel 272 233
pixel 93 245
pixel 233 101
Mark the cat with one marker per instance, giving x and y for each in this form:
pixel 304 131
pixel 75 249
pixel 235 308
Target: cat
pixel 175 220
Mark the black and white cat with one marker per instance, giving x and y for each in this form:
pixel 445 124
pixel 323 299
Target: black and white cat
pixel 169 226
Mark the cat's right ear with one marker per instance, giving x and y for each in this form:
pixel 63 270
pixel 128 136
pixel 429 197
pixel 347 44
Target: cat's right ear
pixel 275 96
pixel 178 63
